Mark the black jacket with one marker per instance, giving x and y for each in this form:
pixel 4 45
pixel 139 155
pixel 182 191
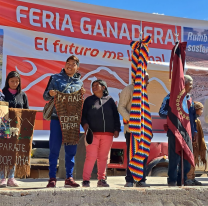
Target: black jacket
pixel 18 100
pixel 101 114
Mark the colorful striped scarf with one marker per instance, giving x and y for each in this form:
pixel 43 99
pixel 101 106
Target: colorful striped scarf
pixel 140 124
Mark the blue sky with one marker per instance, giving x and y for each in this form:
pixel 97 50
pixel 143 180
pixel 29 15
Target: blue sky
pixel 194 9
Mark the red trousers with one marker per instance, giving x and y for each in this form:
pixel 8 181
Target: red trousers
pixel 98 150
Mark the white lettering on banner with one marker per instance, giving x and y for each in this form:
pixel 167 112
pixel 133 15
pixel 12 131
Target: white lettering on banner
pixel 197 48
pixel 133 32
pixel 96 27
pixel 67 23
pixel 57 21
pixel 197 37
pixel 158 36
pixel 89 31
pixel 171 39
pixel 146 28
pixel 113 30
pixel 19 15
pixel 124 32
pixel 32 17
pixel 48 20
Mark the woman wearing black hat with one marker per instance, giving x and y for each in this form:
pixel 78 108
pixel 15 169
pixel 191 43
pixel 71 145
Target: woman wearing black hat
pixel 101 116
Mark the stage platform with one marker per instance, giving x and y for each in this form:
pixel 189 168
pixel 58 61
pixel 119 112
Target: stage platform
pixel 32 192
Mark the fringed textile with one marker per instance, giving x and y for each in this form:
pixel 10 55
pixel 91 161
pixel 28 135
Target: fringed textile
pixel 140 123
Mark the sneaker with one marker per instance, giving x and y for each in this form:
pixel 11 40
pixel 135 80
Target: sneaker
pixel 102 183
pixel 3 183
pixel 86 183
pixel 197 183
pixel 51 182
pixel 129 184
pixel 141 184
pixel 189 183
pixel 172 184
pixel 70 183
pixel 12 183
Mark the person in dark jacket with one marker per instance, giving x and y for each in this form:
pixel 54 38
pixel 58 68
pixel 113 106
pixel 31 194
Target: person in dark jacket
pixel 67 81
pixel 174 159
pixel 17 99
pixel 100 114
pixel 13 92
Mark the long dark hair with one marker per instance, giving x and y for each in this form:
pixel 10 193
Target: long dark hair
pixel 9 76
pixel 102 83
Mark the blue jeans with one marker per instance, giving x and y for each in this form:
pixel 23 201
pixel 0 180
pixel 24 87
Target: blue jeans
pixel 174 173
pixel 129 177
pixel 55 146
pixel 10 175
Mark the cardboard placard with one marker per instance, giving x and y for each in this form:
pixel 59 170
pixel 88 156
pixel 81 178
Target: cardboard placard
pixel 69 110
pixel 24 119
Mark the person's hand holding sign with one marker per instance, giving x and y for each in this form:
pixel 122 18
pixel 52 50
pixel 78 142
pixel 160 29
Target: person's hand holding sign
pixel 83 91
pixel 116 134
pixel 52 93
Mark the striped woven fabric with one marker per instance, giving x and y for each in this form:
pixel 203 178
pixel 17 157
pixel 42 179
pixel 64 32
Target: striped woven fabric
pixel 140 123
pixel 125 121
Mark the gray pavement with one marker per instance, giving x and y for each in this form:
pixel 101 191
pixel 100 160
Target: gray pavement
pixel 114 182
pixel 32 192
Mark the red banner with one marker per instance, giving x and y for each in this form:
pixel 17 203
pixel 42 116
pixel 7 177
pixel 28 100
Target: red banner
pixel 83 25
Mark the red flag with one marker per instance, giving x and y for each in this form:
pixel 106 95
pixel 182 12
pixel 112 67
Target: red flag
pixel 178 113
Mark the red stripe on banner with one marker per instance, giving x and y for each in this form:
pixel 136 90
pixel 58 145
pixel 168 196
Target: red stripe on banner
pixel 83 25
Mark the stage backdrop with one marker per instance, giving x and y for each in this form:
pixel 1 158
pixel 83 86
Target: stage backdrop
pixel 36 38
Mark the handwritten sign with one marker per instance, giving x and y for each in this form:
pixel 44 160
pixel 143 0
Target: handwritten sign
pixel 69 110
pixel 11 149
pixel 24 120
pixel 16 150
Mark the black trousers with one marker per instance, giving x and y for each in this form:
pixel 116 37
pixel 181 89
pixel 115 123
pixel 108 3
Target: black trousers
pixel 129 177
pixel 174 173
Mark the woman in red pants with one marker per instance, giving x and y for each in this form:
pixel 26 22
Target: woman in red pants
pixel 100 114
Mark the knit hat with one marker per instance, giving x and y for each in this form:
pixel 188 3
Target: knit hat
pixel 198 105
pixel 102 83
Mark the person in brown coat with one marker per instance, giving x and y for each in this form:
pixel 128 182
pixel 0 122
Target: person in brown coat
pixel 199 146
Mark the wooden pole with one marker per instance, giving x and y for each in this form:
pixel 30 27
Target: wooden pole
pixel 182 169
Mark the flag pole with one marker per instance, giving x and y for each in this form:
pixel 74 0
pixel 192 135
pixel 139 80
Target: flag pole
pixel 182 163
pixel 176 35
pixel 140 35
pixel 182 166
